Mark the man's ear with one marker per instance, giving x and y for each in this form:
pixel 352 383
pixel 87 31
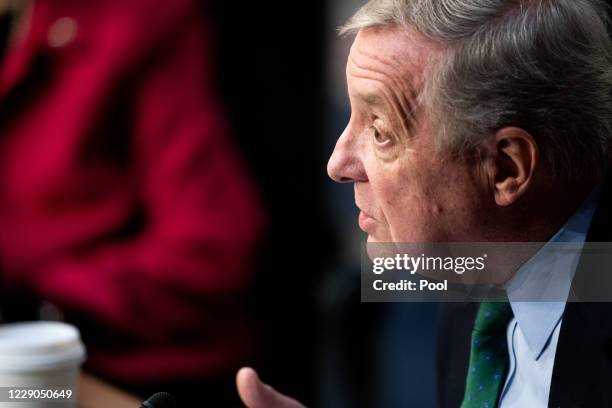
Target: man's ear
pixel 514 161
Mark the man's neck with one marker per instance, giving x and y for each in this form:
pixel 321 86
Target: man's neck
pixel 546 210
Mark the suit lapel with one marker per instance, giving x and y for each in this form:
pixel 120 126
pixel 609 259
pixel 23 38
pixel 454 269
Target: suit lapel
pixel 456 323
pixel 582 374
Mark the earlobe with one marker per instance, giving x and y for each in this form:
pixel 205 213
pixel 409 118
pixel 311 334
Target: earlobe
pixel 505 193
pixel 514 165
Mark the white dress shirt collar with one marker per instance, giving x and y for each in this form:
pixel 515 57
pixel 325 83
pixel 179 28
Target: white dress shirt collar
pixel 538 319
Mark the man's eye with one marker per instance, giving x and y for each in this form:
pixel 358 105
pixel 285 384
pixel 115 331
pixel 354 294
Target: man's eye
pixel 379 136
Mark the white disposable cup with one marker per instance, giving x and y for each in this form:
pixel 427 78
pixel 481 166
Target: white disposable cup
pixel 43 356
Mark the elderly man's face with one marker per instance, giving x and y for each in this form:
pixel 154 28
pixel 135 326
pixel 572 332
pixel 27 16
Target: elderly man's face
pixel 405 189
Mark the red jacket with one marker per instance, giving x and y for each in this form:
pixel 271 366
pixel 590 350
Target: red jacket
pixel 122 200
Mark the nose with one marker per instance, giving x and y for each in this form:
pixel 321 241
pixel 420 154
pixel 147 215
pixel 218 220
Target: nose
pixel 345 165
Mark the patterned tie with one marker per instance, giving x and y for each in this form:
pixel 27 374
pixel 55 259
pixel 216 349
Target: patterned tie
pixel 488 356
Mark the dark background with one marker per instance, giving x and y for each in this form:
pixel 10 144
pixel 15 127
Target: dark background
pixel 281 75
pixel 271 78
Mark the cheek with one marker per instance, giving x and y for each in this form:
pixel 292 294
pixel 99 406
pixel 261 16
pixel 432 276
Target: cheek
pixel 425 200
pixel 440 206
pixel 412 214
pixel 408 202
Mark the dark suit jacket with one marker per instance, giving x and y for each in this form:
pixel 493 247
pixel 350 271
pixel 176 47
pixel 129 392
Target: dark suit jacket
pixel 582 373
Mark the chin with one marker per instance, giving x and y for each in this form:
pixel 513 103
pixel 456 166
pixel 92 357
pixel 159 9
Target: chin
pixel 372 250
pixel 377 248
pixel 373 239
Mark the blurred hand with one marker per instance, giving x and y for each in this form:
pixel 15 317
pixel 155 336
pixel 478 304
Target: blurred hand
pixel 255 394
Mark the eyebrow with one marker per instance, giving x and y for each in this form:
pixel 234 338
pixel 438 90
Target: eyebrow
pixel 407 117
pixel 371 99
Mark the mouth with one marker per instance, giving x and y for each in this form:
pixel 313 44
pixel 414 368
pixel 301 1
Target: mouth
pixel 366 222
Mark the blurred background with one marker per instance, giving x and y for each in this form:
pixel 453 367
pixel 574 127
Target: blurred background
pixel 164 188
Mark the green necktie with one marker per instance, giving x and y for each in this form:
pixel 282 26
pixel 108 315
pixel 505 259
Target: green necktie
pixel 488 356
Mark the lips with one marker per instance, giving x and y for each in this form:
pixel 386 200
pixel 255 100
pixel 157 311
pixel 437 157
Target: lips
pixel 366 222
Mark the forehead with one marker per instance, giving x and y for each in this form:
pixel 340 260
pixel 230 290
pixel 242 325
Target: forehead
pixel 390 56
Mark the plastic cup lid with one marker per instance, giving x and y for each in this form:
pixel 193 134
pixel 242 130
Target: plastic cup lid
pixel 32 346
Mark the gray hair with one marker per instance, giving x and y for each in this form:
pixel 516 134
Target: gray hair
pixel 542 65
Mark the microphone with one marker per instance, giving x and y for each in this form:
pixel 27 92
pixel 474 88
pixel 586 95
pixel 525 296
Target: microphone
pixel 160 400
